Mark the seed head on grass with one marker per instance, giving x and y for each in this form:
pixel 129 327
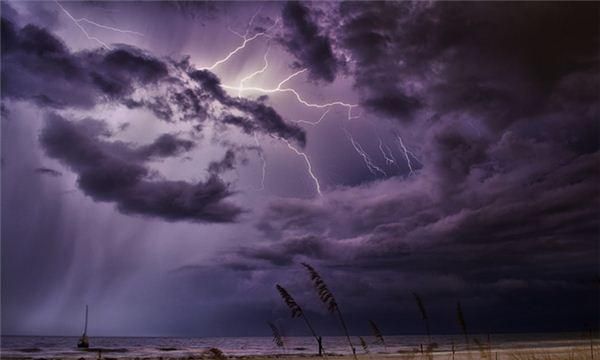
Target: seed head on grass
pixel 277 338
pixel 327 298
pixel 376 333
pixel 463 326
pixel 322 290
pixel 423 312
pixel 289 301
pixel 298 313
pixel 363 344
pixel 461 318
pixel 421 306
pixel 481 348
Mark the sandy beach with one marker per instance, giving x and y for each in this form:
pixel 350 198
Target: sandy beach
pixel 578 352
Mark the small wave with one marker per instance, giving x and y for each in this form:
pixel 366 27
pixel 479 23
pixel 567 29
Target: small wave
pixel 107 350
pixel 167 349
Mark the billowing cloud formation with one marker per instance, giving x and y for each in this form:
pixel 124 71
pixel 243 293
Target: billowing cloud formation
pixel 302 39
pixel 509 140
pixel 38 67
pixel 166 145
pixel 497 102
pixel 513 225
pixel 507 197
pixel 48 171
pixel 260 117
pixel 115 171
pixel 498 60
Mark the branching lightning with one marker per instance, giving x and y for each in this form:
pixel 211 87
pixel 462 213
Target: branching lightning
pixel 78 23
pixel 313 122
pixel 308 165
pixel 389 156
pixel 264 163
pixel 245 40
pixel 84 20
pixel 373 169
pixel 281 89
pixel 407 154
pixel 257 72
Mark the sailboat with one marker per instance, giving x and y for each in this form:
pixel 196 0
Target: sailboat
pixel 83 340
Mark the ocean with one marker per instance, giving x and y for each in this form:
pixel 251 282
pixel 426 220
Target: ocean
pixel 38 347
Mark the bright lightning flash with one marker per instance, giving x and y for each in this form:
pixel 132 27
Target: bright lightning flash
pixel 308 165
pixel 407 155
pixel 246 38
pixel 264 163
pixel 78 23
pixel 281 89
pixel 373 169
pixel 388 156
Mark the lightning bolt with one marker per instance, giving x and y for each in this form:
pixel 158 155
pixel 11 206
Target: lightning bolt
pixel 281 89
pixel 245 40
pixel 257 72
pixel 84 20
pixel 407 154
pixel 389 157
pixel 308 165
pixel 264 163
pixel 312 122
pixel 78 23
pixel 373 169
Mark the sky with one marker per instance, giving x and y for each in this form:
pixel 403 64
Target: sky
pixel 168 163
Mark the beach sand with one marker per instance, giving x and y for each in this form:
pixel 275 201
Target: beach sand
pixel 532 353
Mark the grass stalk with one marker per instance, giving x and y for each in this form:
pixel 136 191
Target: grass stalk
pixel 297 312
pixel 328 299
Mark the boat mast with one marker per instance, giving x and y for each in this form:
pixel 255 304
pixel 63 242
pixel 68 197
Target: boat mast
pixel 86 319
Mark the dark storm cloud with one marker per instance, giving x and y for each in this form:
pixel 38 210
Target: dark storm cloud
pixel 302 39
pixel 506 203
pixel 243 123
pixel 535 226
pixel 8 12
pixel 116 172
pixel 500 60
pixel 48 171
pixel 193 9
pixel 266 119
pixel 225 164
pixel 285 252
pixel 498 102
pixel 166 145
pixel 37 66
pixel 520 196
pixel 261 117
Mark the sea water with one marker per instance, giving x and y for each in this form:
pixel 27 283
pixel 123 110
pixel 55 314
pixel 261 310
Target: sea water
pixel 38 347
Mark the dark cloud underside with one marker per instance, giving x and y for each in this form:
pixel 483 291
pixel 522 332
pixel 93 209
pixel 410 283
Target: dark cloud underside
pixel 302 39
pixel 116 172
